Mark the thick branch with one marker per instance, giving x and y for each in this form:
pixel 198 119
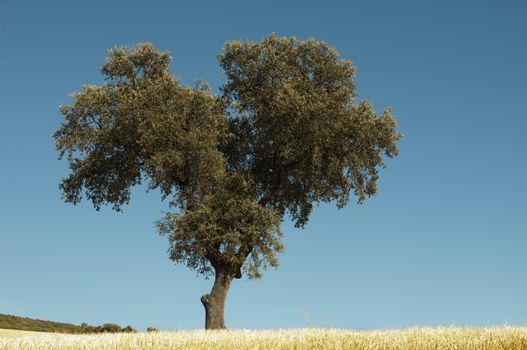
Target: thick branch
pixel 215 258
pixel 241 256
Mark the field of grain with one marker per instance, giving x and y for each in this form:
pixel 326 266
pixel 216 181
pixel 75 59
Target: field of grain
pixel 5 334
pixel 505 338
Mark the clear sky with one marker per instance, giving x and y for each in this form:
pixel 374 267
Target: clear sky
pixel 444 241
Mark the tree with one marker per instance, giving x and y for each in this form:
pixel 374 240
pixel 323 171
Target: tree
pixel 283 134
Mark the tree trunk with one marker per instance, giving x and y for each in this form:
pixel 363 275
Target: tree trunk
pixel 214 302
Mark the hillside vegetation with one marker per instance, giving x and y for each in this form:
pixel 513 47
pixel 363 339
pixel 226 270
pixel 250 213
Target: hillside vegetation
pixel 29 324
pixel 505 338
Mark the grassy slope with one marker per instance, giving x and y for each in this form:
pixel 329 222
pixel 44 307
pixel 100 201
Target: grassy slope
pixel 28 324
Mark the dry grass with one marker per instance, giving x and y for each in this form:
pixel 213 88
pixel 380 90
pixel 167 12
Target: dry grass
pixel 506 338
pixel 11 333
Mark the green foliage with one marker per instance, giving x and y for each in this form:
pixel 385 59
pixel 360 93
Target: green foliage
pixel 302 138
pixel 152 330
pixel 236 221
pixel 140 122
pixel 284 134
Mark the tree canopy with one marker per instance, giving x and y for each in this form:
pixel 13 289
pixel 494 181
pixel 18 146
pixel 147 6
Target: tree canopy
pixel 284 133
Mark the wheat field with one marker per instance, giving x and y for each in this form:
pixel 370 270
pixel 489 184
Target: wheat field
pixel 506 338
pixel 11 333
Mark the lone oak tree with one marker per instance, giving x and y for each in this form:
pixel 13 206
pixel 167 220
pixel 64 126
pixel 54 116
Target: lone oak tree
pixel 284 133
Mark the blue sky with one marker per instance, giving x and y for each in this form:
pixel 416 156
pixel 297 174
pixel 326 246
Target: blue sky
pixel 442 243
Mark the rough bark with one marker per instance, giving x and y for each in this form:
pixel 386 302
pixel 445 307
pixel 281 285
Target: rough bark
pixel 214 302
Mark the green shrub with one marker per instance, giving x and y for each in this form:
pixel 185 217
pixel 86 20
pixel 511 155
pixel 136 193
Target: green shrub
pixel 109 328
pixel 128 329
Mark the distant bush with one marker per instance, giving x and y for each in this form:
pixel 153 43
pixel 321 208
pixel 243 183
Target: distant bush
pixel 128 329
pixel 110 328
pixel 152 329
pixel 107 328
